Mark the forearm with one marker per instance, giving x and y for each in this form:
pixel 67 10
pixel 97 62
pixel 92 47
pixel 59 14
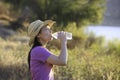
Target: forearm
pixel 63 54
pixel 62 58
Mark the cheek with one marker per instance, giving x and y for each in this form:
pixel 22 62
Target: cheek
pixel 45 35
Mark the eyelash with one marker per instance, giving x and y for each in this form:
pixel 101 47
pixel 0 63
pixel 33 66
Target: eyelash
pixel 48 30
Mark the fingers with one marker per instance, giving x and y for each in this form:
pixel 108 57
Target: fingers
pixel 62 35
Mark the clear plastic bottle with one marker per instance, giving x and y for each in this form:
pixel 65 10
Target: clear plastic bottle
pixel 68 35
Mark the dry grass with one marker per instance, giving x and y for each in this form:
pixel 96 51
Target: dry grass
pixel 92 63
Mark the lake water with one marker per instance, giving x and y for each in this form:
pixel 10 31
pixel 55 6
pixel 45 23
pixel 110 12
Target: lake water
pixel 109 32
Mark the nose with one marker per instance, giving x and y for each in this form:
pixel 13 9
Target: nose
pixel 51 31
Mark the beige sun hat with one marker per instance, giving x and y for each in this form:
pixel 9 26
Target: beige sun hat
pixel 34 28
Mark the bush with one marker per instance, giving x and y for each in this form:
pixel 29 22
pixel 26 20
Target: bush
pixel 96 62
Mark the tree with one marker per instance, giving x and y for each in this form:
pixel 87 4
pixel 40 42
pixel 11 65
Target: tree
pixel 81 12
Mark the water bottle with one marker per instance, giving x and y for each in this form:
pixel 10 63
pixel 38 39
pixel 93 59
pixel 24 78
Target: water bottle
pixel 68 35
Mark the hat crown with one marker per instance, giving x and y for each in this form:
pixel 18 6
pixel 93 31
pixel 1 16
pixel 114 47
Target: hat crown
pixel 33 27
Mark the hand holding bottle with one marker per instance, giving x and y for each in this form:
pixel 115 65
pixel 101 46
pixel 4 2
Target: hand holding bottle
pixel 62 36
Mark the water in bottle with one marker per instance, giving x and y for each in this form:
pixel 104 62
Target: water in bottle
pixel 68 35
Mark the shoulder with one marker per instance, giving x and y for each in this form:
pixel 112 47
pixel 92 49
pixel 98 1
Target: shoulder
pixel 40 51
pixel 38 48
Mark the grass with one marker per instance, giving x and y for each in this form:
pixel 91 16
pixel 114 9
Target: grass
pixel 94 62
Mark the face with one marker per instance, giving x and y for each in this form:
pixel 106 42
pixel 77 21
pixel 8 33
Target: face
pixel 45 34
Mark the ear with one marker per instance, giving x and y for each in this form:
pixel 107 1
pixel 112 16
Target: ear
pixel 39 35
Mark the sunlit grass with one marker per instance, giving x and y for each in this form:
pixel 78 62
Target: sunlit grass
pixel 94 62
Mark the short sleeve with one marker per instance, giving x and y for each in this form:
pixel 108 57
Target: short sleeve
pixel 40 54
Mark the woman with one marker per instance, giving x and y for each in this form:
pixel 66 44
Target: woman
pixel 40 59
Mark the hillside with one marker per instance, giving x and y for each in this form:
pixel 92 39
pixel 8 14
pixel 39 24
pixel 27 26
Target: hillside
pixel 112 14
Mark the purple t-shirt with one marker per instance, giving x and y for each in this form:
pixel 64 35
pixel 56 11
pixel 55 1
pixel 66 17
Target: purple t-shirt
pixel 39 68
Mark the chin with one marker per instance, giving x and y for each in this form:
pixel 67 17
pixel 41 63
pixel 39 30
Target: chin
pixel 51 39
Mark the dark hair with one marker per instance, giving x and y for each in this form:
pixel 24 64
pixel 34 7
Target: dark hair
pixel 35 44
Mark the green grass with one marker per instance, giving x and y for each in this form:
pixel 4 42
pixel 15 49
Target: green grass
pixel 88 59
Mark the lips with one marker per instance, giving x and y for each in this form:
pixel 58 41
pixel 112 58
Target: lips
pixel 50 36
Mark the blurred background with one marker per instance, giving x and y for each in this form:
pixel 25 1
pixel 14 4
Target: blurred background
pixel 94 51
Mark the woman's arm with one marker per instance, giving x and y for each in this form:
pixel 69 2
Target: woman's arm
pixel 62 58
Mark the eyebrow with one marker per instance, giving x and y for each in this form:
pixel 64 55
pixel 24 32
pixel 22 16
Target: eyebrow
pixel 44 28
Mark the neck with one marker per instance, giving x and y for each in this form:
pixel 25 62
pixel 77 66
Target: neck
pixel 44 43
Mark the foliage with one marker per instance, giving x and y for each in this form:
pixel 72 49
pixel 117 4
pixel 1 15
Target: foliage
pixel 82 12
pixel 96 62
pixel 89 57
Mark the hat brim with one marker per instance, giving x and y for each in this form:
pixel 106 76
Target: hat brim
pixel 49 22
